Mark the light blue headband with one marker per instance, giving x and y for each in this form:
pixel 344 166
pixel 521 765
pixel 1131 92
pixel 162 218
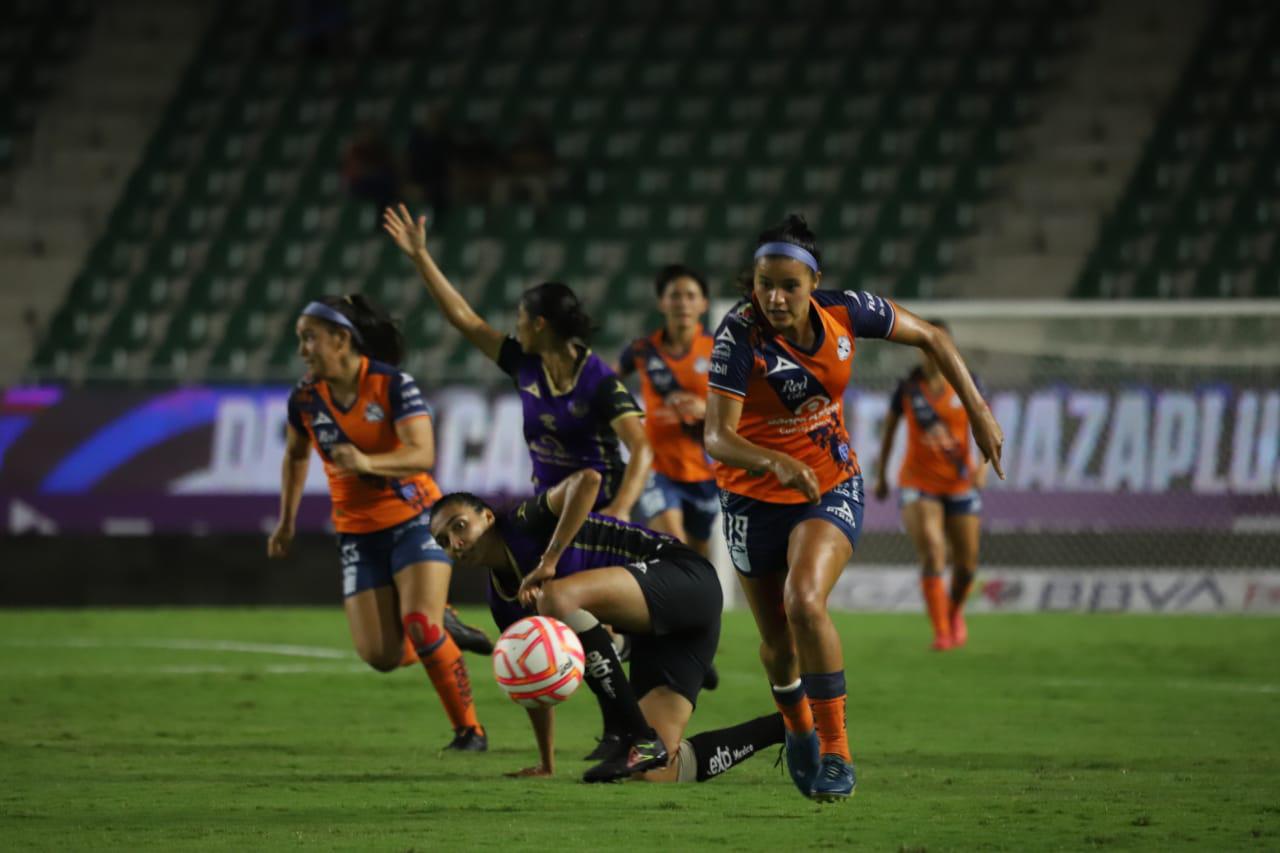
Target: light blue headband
pixel 790 250
pixel 324 312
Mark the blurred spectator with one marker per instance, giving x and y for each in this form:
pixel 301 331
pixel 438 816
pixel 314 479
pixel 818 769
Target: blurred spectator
pixel 368 171
pixel 476 164
pixel 430 161
pixel 531 159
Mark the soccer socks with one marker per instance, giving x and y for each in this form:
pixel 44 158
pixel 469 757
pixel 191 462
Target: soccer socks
pixel 443 662
pixel 793 704
pixel 937 604
pixel 716 751
pixel 604 675
pixel 827 698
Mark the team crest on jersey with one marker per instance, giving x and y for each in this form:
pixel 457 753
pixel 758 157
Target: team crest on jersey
pixel 373 413
pixel 844 348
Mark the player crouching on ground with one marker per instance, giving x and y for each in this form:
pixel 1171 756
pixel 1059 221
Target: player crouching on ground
pixel 552 556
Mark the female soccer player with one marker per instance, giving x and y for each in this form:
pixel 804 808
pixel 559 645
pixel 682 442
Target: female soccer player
pixel 680 497
pixel 940 495
pixel 575 408
pixel 372 429
pixel 552 556
pixel 790 485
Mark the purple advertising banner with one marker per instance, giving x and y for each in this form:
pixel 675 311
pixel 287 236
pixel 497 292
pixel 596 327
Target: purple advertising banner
pixel 207 460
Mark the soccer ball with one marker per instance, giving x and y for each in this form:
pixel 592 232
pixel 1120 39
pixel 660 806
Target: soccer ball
pixel 538 661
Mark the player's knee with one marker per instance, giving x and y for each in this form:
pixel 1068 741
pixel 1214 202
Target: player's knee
pixel 805 605
pixel 934 561
pixel 557 601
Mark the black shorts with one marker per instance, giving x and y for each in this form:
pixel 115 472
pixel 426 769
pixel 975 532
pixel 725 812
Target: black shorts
pixel 685 601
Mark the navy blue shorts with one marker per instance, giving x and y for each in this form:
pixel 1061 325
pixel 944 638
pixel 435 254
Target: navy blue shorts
pixel 697 500
pixel 370 560
pixel 757 531
pixel 965 503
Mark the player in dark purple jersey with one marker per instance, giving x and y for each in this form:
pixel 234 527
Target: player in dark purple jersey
pixel 551 556
pixel 575 407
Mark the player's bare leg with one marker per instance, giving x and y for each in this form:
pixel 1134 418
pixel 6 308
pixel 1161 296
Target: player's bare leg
pixel 374 622
pixel 964 533
pixel 817 552
pixel 923 520
pixel 423 590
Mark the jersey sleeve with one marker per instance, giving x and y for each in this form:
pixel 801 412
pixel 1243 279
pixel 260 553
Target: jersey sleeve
pixel 295 413
pixel 627 360
pixel 405 398
pixel 731 357
pixel 612 400
pixel 895 401
pixel 534 518
pixel 870 316
pixel 510 355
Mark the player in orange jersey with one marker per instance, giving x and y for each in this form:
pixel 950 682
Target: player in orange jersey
pixel 940 491
pixel 790 485
pixel 680 498
pixel 372 429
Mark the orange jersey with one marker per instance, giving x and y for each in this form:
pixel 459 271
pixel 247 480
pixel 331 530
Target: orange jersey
pixel 677 446
pixel 938 459
pixel 793 399
pixel 386 396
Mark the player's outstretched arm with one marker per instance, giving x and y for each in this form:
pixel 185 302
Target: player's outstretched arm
pixel 887 433
pixel 543 720
pixel 411 236
pixel 631 432
pixel 913 331
pixel 725 445
pixel 571 499
pixel 293 476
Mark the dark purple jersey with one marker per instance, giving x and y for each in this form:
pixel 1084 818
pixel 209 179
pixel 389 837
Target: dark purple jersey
pixel 527 529
pixel 570 429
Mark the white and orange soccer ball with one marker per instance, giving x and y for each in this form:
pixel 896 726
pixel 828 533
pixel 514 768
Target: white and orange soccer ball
pixel 538 661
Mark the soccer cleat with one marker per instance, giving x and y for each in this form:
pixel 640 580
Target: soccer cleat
pixel 711 680
pixel 942 643
pixel 469 739
pixel 468 639
pixel 835 780
pixel 959 630
pixel 645 752
pixel 608 747
pixel 802 759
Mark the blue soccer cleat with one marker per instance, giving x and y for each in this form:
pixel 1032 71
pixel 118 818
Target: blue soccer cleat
pixel 802 759
pixel 834 781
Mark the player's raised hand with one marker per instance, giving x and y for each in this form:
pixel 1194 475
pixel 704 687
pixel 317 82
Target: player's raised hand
pixel 280 540
pixel 989 438
pixel 794 474
pixel 410 234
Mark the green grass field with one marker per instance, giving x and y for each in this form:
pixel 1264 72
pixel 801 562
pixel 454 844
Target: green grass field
pixel 193 729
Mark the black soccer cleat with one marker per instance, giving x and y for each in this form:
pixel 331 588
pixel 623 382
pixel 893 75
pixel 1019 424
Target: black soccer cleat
pixel 609 747
pixel 711 680
pixel 645 752
pixel 469 739
pixel 469 639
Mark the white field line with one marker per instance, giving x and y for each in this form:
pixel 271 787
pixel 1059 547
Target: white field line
pixel 211 669
pixel 178 645
pixel 1178 684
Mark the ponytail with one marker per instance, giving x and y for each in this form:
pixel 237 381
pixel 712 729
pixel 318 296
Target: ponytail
pixel 379 336
pixel 559 306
